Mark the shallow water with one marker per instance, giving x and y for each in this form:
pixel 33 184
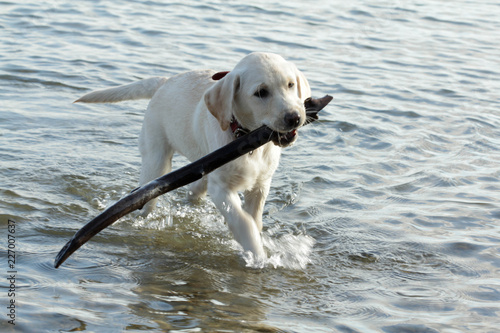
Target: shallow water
pixel 383 217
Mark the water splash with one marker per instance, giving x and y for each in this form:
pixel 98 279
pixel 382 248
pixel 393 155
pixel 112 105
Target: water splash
pixel 159 219
pixel 288 251
pixel 174 211
pixel 285 249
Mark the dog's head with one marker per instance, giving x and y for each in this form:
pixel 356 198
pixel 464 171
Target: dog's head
pixel 263 89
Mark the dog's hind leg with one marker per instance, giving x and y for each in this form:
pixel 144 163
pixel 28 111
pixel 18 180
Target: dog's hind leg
pixel 197 190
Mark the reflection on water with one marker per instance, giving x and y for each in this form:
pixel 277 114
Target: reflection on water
pixel 382 217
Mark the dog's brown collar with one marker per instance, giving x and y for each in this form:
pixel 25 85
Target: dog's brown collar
pixel 219 75
pixel 237 129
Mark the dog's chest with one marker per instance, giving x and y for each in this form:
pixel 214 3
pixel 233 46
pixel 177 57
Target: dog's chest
pixel 250 170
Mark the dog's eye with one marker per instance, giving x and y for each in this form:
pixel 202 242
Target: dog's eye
pixel 262 93
pixel 291 85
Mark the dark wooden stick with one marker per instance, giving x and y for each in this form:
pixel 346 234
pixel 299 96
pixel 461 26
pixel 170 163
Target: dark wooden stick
pixel 183 176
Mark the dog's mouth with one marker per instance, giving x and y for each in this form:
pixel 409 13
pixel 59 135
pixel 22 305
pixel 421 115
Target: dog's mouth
pixel 281 139
pixel 285 139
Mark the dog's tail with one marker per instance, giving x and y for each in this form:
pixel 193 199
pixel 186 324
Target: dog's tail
pixel 144 89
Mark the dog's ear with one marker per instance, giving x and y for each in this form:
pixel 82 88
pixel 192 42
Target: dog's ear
pixel 303 88
pixel 220 97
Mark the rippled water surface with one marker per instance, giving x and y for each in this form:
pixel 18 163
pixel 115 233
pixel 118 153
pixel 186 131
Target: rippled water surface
pixel 383 217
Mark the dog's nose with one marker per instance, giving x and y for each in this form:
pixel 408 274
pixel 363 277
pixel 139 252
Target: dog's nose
pixel 292 120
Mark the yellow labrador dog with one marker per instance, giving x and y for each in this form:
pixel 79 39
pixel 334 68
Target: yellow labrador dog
pixel 195 113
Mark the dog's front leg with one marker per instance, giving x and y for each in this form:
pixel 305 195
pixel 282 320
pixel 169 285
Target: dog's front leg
pixel 255 200
pixel 241 224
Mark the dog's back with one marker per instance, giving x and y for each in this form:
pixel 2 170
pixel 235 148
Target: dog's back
pixel 178 113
